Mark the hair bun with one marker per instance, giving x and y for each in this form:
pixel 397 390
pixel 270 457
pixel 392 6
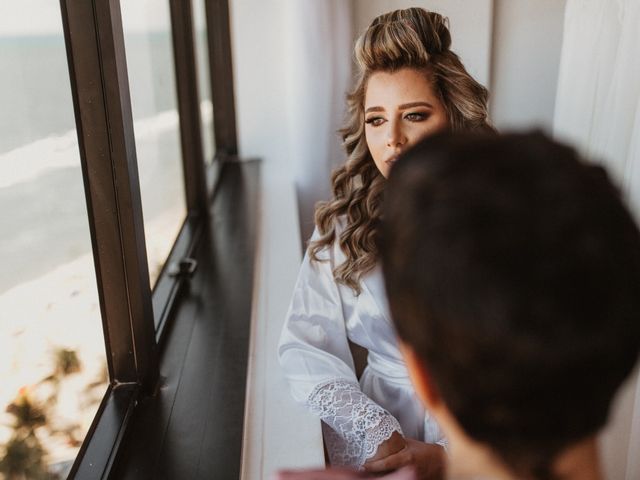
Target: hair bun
pixel 432 28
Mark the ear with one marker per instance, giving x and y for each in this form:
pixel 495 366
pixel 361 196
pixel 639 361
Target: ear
pixel 421 378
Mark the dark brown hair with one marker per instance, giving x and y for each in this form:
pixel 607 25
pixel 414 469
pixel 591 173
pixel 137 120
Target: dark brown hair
pixel 513 271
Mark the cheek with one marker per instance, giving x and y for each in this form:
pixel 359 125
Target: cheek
pixel 419 133
pixel 373 141
pixel 433 126
pixel 441 120
pixel 442 123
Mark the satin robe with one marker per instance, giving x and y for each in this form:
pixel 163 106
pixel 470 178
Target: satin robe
pixel 357 414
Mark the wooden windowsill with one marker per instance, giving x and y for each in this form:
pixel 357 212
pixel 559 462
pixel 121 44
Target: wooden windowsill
pixel 192 427
pixel 278 434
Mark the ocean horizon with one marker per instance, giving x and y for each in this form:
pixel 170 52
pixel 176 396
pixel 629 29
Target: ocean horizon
pixel 44 222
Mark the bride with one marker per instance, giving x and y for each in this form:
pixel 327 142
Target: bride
pixel 409 85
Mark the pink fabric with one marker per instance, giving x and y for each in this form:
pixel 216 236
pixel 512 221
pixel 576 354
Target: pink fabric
pixel 407 473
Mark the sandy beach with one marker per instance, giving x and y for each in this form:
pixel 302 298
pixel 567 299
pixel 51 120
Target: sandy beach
pixel 61 310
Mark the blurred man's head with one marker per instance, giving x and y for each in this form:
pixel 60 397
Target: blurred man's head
pixel 513 275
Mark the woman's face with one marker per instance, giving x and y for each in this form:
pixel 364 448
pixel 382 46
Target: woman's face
pixel 400 109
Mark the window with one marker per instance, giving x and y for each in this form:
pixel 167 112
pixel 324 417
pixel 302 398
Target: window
pixel 148 42
pixel 204 82
pixel 52 354
pixel 104 125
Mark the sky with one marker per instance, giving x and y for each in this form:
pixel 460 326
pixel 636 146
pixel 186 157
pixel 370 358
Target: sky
pixel 42 17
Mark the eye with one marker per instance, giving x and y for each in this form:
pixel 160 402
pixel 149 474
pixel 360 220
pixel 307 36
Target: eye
pixel 375 121
pixel 416 116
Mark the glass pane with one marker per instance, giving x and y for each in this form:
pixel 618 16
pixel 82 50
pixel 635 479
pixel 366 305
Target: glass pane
pixel 204 79
pixel 147 31
pixel 52 354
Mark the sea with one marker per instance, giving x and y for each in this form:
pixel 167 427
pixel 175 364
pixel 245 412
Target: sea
pixel 43 220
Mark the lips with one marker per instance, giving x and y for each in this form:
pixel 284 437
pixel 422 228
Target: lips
pixel 391 160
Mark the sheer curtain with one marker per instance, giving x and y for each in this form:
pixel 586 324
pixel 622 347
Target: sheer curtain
pixel 598 110
pixel 320 53
pixel 598 99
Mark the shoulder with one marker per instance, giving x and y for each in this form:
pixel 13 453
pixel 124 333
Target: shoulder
pixel 328 250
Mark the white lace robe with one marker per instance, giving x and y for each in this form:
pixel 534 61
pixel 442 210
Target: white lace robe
pixel 317 362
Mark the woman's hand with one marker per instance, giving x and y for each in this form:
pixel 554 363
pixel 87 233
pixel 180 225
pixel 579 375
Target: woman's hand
pixel 428 460
pixel 394 444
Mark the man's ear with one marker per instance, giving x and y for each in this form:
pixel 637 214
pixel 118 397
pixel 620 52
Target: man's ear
pixel 420 378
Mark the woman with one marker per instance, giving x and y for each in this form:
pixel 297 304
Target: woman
pixel 410 85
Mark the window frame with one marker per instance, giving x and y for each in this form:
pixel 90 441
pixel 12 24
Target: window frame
pixel 135 319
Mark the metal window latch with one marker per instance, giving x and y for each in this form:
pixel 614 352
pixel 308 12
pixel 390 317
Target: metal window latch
pixel 185 268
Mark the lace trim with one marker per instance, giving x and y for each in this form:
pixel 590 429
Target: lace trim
pixel 359 425
pixel 444 443
pixel 380 434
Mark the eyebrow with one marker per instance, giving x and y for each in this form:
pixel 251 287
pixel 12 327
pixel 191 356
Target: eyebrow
pixel 401 107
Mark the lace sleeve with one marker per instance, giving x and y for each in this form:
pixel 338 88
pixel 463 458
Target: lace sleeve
pixel 358 425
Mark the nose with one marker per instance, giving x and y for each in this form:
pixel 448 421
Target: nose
pixel 395 136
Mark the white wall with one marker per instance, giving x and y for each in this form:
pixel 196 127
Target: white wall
pixel 258 38
pixel 526 56
pixel 470 25
pixel 319 49
pixel 292 69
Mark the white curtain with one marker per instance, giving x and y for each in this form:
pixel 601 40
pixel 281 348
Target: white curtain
pixel 319 53
pixel 598 110
pixel 598 99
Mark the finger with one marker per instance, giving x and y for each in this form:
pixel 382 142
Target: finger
pixel 405 473
pixel 396 460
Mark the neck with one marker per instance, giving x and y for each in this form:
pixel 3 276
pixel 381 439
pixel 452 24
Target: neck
pixel 580 461
pixel 471 460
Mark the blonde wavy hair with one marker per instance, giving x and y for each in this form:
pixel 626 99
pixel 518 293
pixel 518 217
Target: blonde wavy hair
pixel 410 38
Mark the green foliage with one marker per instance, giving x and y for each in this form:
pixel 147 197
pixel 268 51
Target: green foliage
pixel 28 415
pixel 24 459
pixel 66 362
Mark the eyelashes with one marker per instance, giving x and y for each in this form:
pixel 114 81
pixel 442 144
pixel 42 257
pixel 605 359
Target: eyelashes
pixel 411 117
pixel 416 116
pixel 375 121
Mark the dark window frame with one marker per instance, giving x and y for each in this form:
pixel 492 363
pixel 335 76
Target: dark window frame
pixel 135 318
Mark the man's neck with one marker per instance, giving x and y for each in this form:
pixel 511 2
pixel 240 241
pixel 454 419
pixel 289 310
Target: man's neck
pixel 470 460
pixel 581 461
